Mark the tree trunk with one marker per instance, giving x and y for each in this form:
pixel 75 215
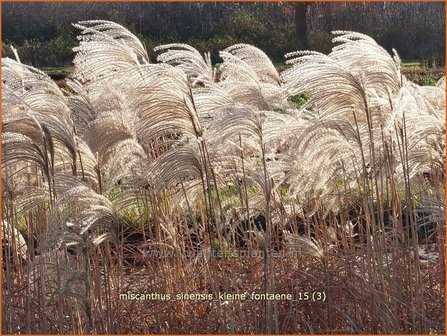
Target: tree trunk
pixel 301 24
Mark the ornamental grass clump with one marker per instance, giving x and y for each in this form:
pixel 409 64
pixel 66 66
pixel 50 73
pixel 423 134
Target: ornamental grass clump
pixel 183 177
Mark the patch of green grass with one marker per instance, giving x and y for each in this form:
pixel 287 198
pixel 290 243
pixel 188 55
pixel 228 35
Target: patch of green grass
pixel 281 66
pixel 65 70
pixel 298 100
pixel 423 76
pixel 422 72
pixel 411 63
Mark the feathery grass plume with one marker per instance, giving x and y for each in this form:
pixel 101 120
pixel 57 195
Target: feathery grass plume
pixel 257 60
pixel 33 89
pixel 332 89
pixel 336 157
pixel 189 60
pixel 26 169
pixel 108 135
pixel 36 107
pixel 433 98
pixel 210 100
pixel 423 124
pixel 88 165
pixel 81 106
pixel 178 165
pixel 236 121
pixel 304 245
pixel 441 83
pixel 246 93
pixel 364 78
pixel 234 69
pixel 427 98
pixel 125 159
pixel 18 148
pixel 13 71
pixel 250 78
pixel 13 242
pixel 163 103
pixel 30 197
pixel 255 127
pixel 77 213
pixel 106 47
pixel 364 57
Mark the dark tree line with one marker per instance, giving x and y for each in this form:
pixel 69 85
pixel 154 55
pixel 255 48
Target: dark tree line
pixel 44 36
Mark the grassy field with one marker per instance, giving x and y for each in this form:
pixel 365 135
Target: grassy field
pixel 181 197
pixel 414 70
pixel 422 75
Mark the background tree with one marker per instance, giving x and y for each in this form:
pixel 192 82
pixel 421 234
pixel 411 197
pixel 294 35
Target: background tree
pixel 301 23
pixel 43 34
